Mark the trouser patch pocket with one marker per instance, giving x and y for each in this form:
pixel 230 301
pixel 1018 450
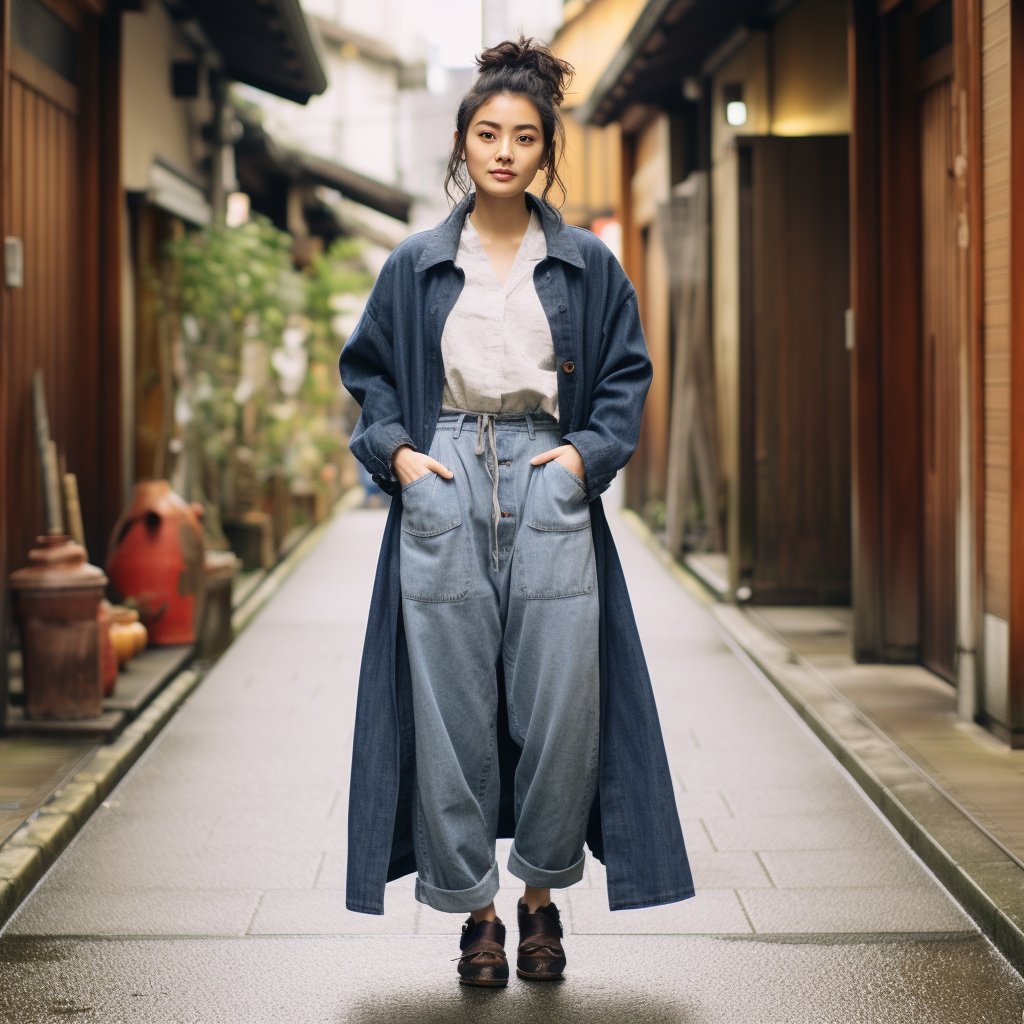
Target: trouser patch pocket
pixel 434 560
pixel 555 547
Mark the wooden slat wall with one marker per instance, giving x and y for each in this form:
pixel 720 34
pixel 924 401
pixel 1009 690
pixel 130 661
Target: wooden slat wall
pixel 995 37
pixel 43 211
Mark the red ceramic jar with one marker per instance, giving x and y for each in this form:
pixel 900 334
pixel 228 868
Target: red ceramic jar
pixel 156 559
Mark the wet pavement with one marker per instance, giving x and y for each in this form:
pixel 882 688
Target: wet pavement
pixel 209 887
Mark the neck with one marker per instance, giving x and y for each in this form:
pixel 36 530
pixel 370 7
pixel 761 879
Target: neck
pixel 496 217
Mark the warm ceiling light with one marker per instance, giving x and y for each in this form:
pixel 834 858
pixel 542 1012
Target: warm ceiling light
pixel 735 108
pixel 736 113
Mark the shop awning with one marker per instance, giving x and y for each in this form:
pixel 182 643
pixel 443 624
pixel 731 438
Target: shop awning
pixel 265 43
pixel 353 185
pixel 176 192
pixel 261 161
pixel 672 40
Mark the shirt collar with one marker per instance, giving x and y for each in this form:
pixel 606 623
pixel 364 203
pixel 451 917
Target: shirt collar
pixel 443 244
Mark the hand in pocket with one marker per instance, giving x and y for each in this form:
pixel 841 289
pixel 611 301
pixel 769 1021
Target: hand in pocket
pixel 409 466
pixel 567 456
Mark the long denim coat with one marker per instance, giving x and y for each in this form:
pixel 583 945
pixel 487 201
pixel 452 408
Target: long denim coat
pixel 392 365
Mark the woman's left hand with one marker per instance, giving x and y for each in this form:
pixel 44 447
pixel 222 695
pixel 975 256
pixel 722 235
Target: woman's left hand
pixel 567 455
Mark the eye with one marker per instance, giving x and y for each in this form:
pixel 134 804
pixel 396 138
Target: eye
pixel 487 135
pixel 525 138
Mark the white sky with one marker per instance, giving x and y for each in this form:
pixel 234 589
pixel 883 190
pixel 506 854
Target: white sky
pixel 453 27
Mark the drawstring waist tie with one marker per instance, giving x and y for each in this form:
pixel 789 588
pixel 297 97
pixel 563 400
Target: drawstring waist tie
pixel 488 448
pixel 485 427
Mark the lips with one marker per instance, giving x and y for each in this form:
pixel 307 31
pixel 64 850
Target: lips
pixel 503 175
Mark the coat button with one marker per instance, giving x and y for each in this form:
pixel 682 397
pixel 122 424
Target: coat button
pixel 568 366
pixel 561 309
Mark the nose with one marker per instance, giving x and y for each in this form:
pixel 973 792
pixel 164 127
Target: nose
pixel 504 153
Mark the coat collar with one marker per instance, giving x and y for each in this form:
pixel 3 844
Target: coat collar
pixel 443 244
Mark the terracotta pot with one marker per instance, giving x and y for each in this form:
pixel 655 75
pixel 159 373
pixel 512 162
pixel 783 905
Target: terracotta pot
pixel 109 661
pixel 156 559
pixel 58 596
pixel 123 641
pixel 127 620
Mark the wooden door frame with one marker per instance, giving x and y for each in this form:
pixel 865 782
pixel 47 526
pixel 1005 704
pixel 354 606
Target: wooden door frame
pixel 863 56
pixel 633 264
pixel 886 373
pixel 1015 677
pixel 967 79
pixel 5 314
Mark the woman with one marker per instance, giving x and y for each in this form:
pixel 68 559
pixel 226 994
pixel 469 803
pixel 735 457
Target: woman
pixel 502 370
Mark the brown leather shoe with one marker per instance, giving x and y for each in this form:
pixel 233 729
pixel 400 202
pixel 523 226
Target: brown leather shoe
pixel 483 960
pixel 541 957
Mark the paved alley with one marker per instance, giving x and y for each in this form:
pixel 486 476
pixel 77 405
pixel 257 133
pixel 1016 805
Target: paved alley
pixel 210 885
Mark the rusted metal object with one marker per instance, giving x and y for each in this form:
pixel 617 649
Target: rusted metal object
pixel 58 595
pixel 109 661
pixel 156 560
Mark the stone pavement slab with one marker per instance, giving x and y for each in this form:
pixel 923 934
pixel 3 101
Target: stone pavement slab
pixel 917 710
pixel 376 980
pixel 214 873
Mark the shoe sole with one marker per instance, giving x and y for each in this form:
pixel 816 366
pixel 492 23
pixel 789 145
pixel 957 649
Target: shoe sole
pixel 527 976
pixel 484 982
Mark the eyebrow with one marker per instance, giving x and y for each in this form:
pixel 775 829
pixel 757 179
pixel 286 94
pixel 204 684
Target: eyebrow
pixel 518 127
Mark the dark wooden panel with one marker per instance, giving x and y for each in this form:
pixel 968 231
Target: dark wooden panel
pixel 865 297
pixel 900 366
pixel 100 217
pixel 941 383
pixel 795 285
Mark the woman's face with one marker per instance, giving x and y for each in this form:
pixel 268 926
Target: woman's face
pixel 504 146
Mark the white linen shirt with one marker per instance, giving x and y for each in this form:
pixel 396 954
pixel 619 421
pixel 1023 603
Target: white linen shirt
pixel 496 344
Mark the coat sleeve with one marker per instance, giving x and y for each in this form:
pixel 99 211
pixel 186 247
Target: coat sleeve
pixel 367 368
pixel 621 381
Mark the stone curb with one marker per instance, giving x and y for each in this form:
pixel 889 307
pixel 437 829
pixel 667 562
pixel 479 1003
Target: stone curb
pixel 29 852
pixel 987 883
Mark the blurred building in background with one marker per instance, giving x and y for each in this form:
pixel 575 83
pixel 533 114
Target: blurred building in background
pixel 819 210
pixel 814 198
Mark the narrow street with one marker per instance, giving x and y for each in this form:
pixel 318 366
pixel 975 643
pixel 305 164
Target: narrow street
pixel 210 885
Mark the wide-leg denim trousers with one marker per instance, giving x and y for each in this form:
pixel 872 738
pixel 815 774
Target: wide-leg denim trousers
pixel 498 563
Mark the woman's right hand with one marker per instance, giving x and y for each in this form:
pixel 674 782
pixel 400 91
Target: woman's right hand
pixel 410 465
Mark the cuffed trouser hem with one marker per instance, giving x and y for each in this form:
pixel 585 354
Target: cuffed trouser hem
pixel 460 901
pixel 541 879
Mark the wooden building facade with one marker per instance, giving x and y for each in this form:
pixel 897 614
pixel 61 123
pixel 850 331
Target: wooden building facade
pixel 95 97
pixel 864 232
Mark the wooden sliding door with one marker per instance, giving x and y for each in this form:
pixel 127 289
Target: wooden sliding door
pixel 794 448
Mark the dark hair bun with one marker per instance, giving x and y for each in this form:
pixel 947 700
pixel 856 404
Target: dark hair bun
pixel 527 61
